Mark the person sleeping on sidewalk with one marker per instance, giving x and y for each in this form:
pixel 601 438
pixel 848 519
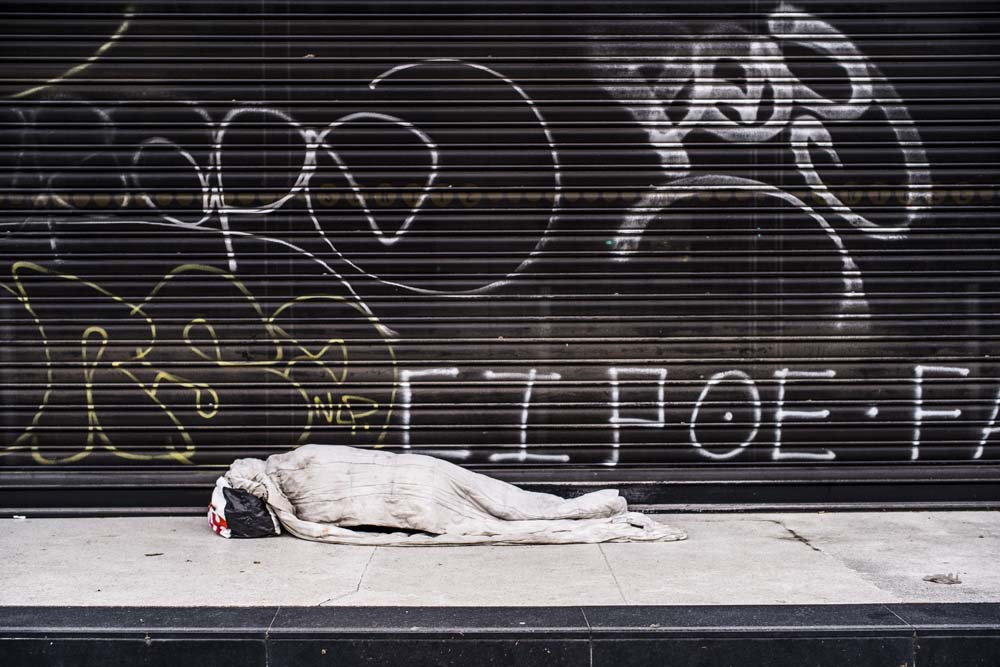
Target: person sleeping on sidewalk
pixel 346 495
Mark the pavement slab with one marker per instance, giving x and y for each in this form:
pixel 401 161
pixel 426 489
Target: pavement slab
pixel 729 559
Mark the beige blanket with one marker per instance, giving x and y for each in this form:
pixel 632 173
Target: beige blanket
pixel 319 492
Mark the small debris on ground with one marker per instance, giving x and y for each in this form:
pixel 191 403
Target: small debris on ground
pixel 943 578
pixel 158 553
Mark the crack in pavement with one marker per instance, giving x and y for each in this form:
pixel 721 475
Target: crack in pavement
pixel 614 577
pixel 795 536
pixel 357 588
pixel 860 574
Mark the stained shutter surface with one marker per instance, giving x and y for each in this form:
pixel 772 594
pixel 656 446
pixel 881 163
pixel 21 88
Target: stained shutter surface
pixel 739 251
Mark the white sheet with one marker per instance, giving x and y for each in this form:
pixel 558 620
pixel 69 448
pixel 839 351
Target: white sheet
pixel 319 492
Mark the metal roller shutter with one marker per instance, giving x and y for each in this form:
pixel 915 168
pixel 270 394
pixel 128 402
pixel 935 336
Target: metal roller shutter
pixel 715 252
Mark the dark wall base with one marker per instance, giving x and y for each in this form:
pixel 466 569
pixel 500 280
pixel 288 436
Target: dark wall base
pixel 936 487
pixel 929 635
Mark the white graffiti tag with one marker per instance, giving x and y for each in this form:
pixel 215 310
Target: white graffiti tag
pixel 742 89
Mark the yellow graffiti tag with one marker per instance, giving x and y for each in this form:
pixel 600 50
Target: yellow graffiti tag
pixel 200 338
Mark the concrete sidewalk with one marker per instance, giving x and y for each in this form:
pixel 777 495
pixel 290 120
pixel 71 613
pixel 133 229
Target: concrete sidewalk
pixel 729 559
